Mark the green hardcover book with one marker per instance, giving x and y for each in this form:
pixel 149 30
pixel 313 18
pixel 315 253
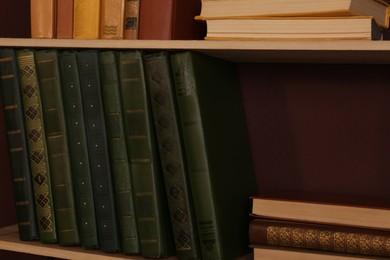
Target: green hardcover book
pixel 217 151
pixel 118 152
pixel 81 174
pixel 166 122
pixel 57 144
pixel 37 146
pixel 154 228
pixel 17 146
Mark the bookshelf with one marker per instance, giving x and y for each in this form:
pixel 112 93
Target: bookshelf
pixel 279 53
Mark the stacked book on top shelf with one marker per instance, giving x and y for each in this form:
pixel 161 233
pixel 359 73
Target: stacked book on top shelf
pixel 128 151
pixel 295 19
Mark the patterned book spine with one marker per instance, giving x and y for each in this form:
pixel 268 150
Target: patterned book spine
pixel 103 191
pixel 112 19
pixel 163 103
pixel 81 175
pixel 118 153
pixel 57 143
pixel 153 222
pixel 131 19
pixel 37 146
pixel 17 145
pixel 86 19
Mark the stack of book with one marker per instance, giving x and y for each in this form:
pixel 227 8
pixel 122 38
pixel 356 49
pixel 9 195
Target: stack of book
pixel 292 228
pixel 295 19
pixel 128 151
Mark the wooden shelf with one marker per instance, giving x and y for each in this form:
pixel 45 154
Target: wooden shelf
pixel 9 240
pixel 351 51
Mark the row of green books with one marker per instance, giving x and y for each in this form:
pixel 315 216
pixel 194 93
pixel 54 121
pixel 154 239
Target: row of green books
pixel 144 153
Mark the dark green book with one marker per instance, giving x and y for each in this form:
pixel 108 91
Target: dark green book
pixel 57 144
pixel 118 152
pixel 17 146
pixel 99 160
pixel 166 122
pixel 37 147
pixel 217 151
pixel 154 228
pixel 81 174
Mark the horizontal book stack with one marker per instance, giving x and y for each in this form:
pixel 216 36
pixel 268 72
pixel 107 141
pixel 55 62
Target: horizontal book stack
pixel 291 19
pixel 120 151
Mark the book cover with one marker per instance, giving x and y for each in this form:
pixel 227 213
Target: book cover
pixel 170 20
pixel 15 19
pixel 43 18
pixel 131 19
pixel 86 19
pixel 57 143
pixel 217 151
pixel 169 141
pixel 78 149
pixel 99 163
pixel 64 19
pixel 121 173
pixel 112 19
pixel 154 227
pixel 37 146
pixel 17 146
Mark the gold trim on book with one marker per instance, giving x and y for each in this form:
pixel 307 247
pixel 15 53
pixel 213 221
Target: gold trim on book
pixel 8 76
pixel 11 107
pixel 14 132
pixel 23 179
pixel 16 149
pixel 22 203
pixel 6 59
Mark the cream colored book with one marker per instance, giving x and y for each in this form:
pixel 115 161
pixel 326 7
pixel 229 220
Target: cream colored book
pixel 378 9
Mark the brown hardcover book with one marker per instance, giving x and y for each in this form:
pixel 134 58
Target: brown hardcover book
pixel 64 19
pixel 131 19
pixel 43 18
pixel 15 19
pixel 112 19
pixel 320 237
pixel 170 20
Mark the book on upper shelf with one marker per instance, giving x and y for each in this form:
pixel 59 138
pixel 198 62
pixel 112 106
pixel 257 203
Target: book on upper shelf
pixel 112 19
pixel 216 145
pixel 169 20
pixel 17 146
pixel 64 14
pixel 221 9
pixel 15 19
pixel 159 80
pixel 131 20
pixel 43 18
pixel 294 28
pixel 86 19
pixel 332 238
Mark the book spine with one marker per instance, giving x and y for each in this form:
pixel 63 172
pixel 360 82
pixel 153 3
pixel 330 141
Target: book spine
pixel 17 145
pixel 57 143
pixel 166 122
pixel 150 202
pixel 43 18
pixel 112 19
pixel 106 217
pixel 118 153
pixel 319 237
pixel 37 146
pixel 131 19
pixel 64 19
pixel 86 19
pixel 81 174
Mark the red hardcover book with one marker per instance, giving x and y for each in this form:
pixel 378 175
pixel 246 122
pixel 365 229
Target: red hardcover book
pixel 170 20
pixel 65 19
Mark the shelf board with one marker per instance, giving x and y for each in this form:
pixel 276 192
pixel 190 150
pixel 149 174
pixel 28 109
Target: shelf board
pixel 9 241
pixel 304 51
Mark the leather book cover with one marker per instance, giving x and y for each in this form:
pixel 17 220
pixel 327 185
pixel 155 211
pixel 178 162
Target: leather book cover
pixel 101 171
pixel 64 19
pixel 131 19
pixel 37 146
pixel 86 19
pixel 17 146
pixel 154 227
pixel 78 151
pixel 121 173
pixel 166 122
pixel 15 19
pixel 216 145
pixel 170 20
pixel 57 144
pixel 43 18
pixel 112 17
pixel 319 237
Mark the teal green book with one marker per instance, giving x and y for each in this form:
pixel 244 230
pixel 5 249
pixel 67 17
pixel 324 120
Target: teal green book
pixel 57 142
pixel 118 152
pixel 217 151
pixel 154 228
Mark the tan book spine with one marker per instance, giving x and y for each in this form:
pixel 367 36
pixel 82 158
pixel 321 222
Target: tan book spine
pixel 112 19
pixel 43 18
pixel 131 19
pixel 86 19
